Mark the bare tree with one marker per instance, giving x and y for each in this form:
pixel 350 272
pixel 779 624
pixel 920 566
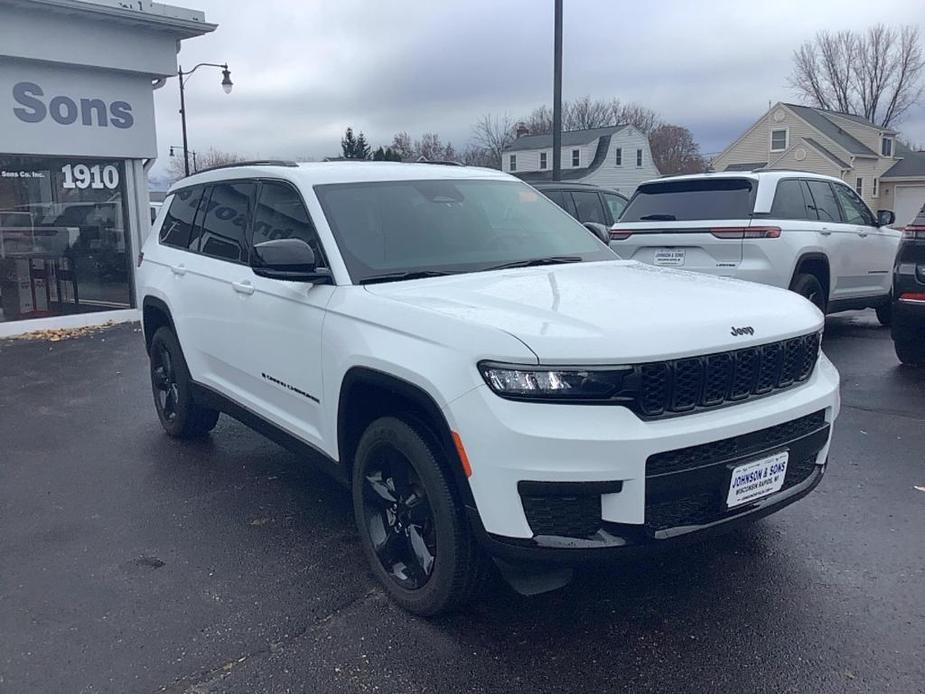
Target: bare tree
pixel 493 134
pixel 431 148
pixel 876 74
pixel 203 160
pixel 585 113
pixel 402 145
pixel 674 150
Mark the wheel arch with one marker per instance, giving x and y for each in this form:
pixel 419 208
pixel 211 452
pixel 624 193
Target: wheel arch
pixel 367 394
pixel 817 264
pixel 155 314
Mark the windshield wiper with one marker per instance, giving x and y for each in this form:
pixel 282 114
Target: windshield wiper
pixel 399 276
pixel 534 262
pixel 658 218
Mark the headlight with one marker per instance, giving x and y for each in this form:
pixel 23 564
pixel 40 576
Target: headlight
pixel 543 383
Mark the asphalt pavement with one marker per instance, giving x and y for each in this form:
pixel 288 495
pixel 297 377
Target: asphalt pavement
pixel 130 562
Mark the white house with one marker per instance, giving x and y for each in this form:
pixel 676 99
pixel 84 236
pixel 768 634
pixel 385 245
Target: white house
pixel 616 157
pixel 884 171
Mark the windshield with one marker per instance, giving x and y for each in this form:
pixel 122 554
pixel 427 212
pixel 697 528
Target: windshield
pixel 690 200
pixel 449 226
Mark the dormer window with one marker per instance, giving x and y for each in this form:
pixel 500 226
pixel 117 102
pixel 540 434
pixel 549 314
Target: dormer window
pixel 886 146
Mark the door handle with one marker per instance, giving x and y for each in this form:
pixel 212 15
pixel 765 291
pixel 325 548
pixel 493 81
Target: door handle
pixel 862 234
pixel 825 232
pixel 243 287
pixel 178 269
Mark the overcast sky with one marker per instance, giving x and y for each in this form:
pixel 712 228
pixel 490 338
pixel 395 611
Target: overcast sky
pixel 303 71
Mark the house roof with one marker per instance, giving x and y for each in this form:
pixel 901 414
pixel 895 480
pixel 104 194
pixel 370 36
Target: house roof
pixel 820 120
pixel 912 163
pixel 746 167
pixel 826 153
pixel 603 145
pixel 570 138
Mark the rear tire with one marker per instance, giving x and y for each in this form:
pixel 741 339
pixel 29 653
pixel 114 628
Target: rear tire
pixel 170 383
pixel 909 344
pixel 413 530
pixel 885 313
pixel 809 287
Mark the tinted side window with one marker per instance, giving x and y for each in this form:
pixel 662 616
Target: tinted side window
pixel 855 210
pixel 560 198
pixel 588 207
pixel 222 221
pixel 823 201
pixel 616 204
pixel 280 214
pixel 789 202
pixel 178 224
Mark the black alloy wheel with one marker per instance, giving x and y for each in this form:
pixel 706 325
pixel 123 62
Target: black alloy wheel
pixel 164 381
pixel 399 518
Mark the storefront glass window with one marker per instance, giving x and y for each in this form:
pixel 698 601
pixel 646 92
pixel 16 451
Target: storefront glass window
pixel 63 242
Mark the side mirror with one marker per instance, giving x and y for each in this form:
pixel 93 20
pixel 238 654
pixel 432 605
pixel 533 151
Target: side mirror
pixel 291 260
pixel 599 230
pixel 885 217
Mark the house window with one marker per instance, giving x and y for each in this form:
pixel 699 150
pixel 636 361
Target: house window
pixel 859 186
pixel 513 163
pixel 779 140
pixel 576 157
pixel 875 188
pixel 886 146
pixel 542 160
pixel 638 157
pixel 619 157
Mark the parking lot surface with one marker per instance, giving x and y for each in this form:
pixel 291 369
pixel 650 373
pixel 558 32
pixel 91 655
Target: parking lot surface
pixel 130 562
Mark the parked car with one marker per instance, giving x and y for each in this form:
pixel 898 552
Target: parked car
pixel 585 202
pixel 909 292
pixel 809 233
pixel 432 336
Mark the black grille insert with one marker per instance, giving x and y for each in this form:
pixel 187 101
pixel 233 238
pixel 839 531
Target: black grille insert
pixel 684 385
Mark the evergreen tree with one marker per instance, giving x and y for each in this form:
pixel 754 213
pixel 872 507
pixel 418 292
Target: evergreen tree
pixel 361 150
pixel 348 144
pixel 380 154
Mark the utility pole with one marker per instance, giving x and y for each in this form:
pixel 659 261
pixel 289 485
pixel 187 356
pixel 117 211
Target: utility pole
pixel 557 96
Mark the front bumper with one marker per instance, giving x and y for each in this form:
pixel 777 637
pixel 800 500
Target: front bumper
pixel 573 445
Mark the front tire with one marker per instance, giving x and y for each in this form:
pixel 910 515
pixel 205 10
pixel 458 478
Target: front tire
pixel 909 344
pixel 414 532
pixel 170 383
pixel 810 288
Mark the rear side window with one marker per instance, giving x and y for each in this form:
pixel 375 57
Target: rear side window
pixel 178 223
pixel 281 214
pixel 854 209
pixel 823 201
pixel 223 220
pixel 561 199
pixel 692 200
pixel 615 203
pixel 588 207
pixel 791 203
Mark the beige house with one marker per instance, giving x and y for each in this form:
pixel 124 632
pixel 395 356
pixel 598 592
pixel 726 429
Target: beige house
pixel 885 172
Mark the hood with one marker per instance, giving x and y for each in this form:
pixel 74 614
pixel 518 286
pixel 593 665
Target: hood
pixel 614 311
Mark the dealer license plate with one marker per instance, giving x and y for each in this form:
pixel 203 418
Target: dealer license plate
pixel 669 256
pixel 757 479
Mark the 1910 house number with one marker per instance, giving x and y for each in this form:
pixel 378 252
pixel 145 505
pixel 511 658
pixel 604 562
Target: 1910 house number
pixel 96 176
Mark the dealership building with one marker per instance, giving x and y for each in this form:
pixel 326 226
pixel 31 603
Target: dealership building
pixel 77 136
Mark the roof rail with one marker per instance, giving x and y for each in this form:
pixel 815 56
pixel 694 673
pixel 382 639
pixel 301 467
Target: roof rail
pixel 446 162
pixel 253 162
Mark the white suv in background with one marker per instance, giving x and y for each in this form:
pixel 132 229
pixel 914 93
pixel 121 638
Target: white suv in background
pixel 481 371
pixel 800 231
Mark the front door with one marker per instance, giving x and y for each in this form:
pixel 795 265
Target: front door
pixel 280 323
pixel 876 249
pixel 840 240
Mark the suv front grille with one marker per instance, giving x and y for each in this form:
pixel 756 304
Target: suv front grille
pixel 680 386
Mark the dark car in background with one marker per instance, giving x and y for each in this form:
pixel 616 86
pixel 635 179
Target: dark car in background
pixel 586 202
pixel 909 294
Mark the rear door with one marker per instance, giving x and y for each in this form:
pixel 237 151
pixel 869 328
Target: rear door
pixel 562 199
pixel 588 207
pixel 695 224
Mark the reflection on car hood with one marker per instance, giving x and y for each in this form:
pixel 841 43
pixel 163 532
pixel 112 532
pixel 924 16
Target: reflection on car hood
pixel 614 311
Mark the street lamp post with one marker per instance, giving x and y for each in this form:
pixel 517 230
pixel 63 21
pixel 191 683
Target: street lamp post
pixel 227 84
pixel 557 94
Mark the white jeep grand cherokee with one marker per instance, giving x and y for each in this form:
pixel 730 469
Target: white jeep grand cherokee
pixel 808 233
pixel 480 370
